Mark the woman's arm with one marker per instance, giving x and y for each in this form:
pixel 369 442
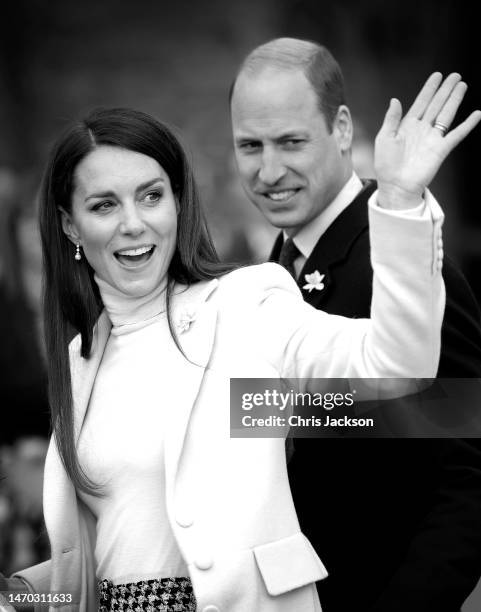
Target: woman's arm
pixel 34 579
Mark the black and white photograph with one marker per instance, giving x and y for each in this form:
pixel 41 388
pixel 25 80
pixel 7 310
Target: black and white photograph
pixel 212 215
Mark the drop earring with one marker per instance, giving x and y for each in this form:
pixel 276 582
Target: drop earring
pixel 78 257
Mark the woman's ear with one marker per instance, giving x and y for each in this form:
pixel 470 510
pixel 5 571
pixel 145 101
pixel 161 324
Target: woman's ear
pixel 69 227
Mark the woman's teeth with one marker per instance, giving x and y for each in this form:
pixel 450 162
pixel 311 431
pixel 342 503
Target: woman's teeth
pixel 130 256
pixel 139 251
pixel 279 196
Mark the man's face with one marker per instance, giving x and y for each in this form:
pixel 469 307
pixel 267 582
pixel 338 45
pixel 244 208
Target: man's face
pixel 290 166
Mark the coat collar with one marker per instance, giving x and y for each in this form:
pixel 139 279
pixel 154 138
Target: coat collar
pixel 334 245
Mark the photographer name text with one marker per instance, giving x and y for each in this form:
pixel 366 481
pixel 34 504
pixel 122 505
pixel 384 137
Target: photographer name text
pixel 298 421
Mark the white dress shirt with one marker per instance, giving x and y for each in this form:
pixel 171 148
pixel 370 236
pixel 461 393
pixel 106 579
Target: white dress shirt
pixel 307 237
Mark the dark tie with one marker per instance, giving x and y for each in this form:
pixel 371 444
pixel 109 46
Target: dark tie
pixel 289 253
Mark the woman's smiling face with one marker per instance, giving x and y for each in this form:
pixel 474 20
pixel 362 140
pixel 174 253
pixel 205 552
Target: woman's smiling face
pixel 124 216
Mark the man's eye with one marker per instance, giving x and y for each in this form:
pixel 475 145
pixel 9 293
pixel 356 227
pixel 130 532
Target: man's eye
pixel 249 146
pixel 293 142
pixel 153 196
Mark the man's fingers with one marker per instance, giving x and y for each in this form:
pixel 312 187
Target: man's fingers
pixel 393 116
pixel 425 96
pixel 447 113
pixel 453 138
pixel 441 97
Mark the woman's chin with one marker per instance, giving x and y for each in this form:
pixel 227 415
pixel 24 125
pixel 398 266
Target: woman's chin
pixel 137 287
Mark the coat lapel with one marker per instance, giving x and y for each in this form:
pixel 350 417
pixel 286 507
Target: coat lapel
pixel 197 341
pixel 59 493
pixel 333 246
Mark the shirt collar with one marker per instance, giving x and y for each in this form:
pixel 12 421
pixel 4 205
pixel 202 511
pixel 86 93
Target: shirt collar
pixel 306 239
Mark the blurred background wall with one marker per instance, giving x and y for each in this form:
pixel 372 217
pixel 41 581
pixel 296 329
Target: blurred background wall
pixel 176 60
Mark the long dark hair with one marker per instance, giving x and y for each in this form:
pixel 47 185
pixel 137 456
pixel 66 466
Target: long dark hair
pixel 72 301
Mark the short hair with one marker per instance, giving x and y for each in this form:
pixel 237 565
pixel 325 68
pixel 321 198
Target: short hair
pixel 72 301
pixel 316 61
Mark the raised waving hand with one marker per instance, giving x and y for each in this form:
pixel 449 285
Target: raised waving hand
pixel 410 150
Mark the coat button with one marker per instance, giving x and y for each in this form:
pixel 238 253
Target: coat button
pixel 184 519
pixel 211 609
pixel 204 562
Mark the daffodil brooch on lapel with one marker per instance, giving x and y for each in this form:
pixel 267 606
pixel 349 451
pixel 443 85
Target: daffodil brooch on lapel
pixel 314 281
pixel 186 318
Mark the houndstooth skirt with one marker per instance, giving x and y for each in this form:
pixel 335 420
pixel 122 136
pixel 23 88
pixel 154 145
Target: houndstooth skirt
pixel 164 595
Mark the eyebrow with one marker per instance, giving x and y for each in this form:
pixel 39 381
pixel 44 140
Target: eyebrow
pixel 141 187
pixel 292 134
pixel 279 138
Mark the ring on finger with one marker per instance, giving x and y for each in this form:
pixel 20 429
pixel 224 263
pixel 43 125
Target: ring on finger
pixel 441 127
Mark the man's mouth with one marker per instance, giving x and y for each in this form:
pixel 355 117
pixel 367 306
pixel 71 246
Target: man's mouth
pixel 135 256
pixel 280 196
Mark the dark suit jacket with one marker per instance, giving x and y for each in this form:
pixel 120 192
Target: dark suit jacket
pixel 397 522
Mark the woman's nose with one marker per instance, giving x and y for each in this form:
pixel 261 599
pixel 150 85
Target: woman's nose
pixel 131 221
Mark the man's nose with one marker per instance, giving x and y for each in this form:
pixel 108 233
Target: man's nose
pixel 272 169
pixel 131 222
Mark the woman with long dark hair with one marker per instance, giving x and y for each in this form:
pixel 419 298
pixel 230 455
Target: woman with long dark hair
pixel 149 504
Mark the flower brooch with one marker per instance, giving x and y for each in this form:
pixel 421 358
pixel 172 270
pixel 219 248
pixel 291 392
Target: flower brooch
pixel 186 318
pixel 314 281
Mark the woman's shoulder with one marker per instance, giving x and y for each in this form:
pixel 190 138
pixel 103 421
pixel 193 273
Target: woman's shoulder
pixel 249 283
pixel 260 278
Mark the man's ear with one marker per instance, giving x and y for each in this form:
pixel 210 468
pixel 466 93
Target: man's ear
pixel 69 227
pixel 342 128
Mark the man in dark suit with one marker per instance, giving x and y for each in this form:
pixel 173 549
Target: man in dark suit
pixel 397 522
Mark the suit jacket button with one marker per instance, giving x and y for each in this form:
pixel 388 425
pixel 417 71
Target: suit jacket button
pixel 211 609
pixel 204 562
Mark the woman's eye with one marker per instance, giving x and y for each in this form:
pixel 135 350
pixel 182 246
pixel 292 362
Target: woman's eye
pixel 101 206
pixel 153 196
